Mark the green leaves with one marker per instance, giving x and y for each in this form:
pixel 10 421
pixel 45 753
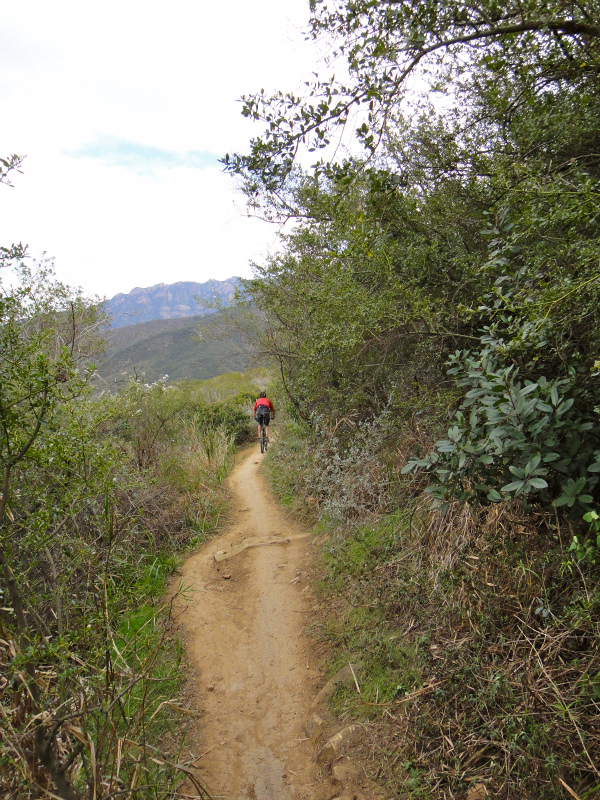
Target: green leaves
pixel 526 480
pixel 585 548
pixel 573 491
pixel 46 336
pixel 518 439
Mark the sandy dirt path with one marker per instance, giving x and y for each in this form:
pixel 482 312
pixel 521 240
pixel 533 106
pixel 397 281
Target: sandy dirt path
pixel 244 630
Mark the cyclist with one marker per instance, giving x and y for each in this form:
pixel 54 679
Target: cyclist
pixel 263 411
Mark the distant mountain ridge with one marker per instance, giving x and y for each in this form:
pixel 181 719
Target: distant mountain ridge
pixel 168 301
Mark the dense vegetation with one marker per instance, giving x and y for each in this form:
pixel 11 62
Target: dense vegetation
pixel 466 238
pixel 99 495
pixel 434 315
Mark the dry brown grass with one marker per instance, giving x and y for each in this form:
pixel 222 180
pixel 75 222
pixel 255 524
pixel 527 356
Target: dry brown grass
pixel 504 642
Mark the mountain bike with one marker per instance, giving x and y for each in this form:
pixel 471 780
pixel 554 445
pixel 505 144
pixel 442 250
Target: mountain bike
pixel 263 438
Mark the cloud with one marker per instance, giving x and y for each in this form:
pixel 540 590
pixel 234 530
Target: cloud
pixel 142 158
pixel 122 182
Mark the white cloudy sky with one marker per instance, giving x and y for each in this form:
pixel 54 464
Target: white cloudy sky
pixel 122 109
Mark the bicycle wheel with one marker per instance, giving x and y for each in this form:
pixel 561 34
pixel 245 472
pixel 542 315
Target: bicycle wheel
pixel 262 438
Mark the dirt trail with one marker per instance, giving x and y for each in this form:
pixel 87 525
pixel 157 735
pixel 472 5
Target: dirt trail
pixel 244 631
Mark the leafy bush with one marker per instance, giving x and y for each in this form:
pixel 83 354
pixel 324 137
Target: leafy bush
pixel 515 438
pixel 232 415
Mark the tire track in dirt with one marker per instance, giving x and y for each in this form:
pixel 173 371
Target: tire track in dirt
pixel 244 630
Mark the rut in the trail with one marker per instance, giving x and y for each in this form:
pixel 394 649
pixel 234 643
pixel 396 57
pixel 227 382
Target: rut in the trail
pixel 244 630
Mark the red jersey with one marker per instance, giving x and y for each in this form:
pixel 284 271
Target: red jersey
pixel 264 401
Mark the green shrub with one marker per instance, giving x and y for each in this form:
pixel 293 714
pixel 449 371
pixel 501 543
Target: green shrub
pixel 515 438
pixel 231 415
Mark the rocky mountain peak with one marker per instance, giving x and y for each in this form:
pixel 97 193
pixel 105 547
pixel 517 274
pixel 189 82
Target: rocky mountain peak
pixel 169 301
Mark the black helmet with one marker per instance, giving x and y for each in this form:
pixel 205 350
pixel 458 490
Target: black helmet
pixel 262 394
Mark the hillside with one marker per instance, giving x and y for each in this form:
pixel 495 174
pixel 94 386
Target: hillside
pixel 192 348
pixel 168 301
